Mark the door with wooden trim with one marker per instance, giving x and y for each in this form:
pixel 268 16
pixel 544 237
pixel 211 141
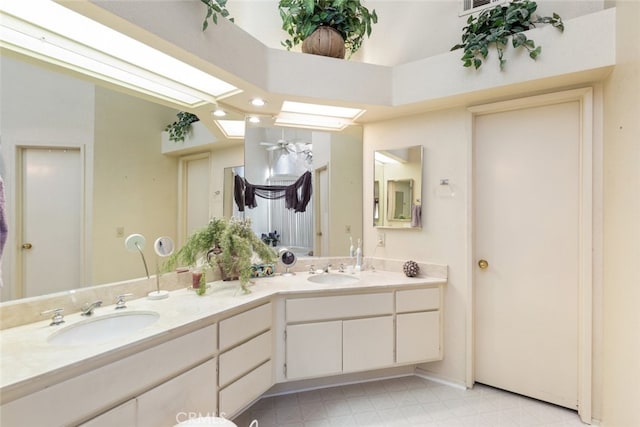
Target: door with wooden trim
pixel 527 180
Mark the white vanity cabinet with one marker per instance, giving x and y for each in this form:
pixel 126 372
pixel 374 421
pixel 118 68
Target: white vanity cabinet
pixel 109 390
pixel 338 334
pixel 418 325
pixel 245 360
pixel 330 335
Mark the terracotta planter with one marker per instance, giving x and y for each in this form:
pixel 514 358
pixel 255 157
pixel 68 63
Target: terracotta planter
pixel 324 41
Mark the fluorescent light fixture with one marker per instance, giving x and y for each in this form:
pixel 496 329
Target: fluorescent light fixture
pixel 316 116
pixel 321 110
pixel 231 128
pixel 50 32
pixel 311 121
pixel 383 158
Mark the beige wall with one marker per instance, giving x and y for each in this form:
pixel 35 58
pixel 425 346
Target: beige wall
pixel 135 186
pixel 621 326
pixel 444 220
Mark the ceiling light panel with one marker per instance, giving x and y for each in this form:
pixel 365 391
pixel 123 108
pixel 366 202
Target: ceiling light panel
pixel 322 110
pixel 231 128
pixel 54 33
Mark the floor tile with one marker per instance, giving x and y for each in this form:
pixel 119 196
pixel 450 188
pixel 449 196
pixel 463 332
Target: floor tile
pixel 406 401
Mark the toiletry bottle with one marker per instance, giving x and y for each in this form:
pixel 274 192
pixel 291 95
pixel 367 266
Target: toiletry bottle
pixel 352 251
pixel 359 256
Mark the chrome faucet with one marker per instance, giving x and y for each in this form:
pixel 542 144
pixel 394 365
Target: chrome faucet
pixel 87 309
pixel 57 318
pixel 327 267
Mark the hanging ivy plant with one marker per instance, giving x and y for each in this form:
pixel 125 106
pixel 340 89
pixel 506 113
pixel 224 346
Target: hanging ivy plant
pixel 179 129
pixel 494 26
pixel 215 8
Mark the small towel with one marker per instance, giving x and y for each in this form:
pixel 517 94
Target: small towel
pixel 416 216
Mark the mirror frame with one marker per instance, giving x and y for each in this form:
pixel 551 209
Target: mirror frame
pixel 381 191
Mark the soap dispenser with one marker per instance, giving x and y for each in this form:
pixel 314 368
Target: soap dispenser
pixel 359 256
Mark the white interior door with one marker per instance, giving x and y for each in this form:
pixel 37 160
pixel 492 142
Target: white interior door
pixel 50 246
pixel 197 192
pixel 527 211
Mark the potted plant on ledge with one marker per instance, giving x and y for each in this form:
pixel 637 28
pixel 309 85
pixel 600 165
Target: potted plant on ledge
pixel 229 245
pixel 326 27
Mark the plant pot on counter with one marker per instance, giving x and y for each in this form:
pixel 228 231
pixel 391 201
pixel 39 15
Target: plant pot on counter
pixel 325 41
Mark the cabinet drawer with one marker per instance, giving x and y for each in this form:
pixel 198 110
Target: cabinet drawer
pixel 245 357
pixel 65 403
pixel 192 392
pixel 417 300
pixel 338 307
pixel 239 394
pixel 418 337
pixel 123 415
pixel 243 326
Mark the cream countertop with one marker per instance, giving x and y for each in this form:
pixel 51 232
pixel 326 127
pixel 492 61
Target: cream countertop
pixel 28 362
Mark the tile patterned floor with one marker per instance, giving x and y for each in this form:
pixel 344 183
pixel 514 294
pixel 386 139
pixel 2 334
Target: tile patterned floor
pixel 405 401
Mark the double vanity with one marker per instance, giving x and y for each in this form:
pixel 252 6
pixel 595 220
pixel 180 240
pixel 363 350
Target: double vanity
pixel 157 362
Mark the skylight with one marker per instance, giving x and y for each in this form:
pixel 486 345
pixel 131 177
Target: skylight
pixel 48 31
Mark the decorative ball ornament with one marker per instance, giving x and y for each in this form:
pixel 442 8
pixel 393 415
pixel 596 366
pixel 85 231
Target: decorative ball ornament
pixel 411 268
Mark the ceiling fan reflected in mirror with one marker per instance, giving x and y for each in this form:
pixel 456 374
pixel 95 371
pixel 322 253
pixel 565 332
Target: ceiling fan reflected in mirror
pixel 293 146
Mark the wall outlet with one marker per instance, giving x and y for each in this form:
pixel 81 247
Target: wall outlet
pixel 119 231
pixel 347 229
pixel 380 240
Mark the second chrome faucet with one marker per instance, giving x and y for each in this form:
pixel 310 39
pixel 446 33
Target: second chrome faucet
pixel 87 309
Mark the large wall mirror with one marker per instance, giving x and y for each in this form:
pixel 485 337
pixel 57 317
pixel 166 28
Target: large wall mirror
pixel 329 164
pixel 128 186
pixel 397 188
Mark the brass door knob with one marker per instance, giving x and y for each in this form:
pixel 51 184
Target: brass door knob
pixel 27 246
pixel 483 264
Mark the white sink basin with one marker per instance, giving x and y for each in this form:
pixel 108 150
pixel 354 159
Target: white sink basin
pixel 103 328
pixel 333 279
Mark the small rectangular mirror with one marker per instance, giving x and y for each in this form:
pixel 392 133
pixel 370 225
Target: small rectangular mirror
pixel 397 188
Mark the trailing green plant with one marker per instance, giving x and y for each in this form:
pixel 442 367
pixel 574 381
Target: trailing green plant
pixel 495 25
pixel 350 18
pixel 215 8
pixel 226 244
pixel 179 129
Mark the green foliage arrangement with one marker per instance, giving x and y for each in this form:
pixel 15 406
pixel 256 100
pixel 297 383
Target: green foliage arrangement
pixel 350 18
pixel 225 244
pixel 179 129
pixel 215 8
pixel 495 25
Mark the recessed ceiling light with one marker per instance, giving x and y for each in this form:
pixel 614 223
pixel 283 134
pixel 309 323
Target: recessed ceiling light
pixel 219 112
pixel 254 119
pixel 258 102
pixel 55 34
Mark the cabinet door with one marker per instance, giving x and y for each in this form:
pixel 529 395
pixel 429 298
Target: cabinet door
pixel 123 415
pixel 418 337
pixel 367 343
pixel 314 349
pixel 171 402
